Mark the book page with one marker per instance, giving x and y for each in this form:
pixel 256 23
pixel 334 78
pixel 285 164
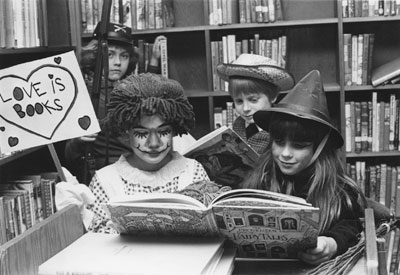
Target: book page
pixel 157 200
pixel 261 194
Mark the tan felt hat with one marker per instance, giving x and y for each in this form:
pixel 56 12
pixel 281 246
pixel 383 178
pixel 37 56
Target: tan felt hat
pixel 257 66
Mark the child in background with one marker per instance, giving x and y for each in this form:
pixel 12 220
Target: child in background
pixel 150 110
pixel 304 160
pixel 254 83
pixel 122 59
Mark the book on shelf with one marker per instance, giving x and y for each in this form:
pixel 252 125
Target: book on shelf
pixel 122 254
pixel 226 157
pixel 386 72
pixel 260 224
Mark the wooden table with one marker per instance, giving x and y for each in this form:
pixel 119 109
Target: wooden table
pixel 268 267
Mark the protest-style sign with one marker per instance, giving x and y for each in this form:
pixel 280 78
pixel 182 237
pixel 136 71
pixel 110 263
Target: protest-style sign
pixel 44 101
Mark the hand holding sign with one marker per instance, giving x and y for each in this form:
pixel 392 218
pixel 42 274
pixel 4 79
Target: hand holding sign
pixel 44 101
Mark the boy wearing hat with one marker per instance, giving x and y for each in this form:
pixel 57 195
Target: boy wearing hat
pixel 122 61
pixel 304 159
pixel 254 83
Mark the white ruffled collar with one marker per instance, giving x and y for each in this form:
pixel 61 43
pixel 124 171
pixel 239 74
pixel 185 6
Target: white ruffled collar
pixel 174 168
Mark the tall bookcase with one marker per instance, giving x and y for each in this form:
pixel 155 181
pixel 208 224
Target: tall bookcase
pixel 314 31
pixel 24 253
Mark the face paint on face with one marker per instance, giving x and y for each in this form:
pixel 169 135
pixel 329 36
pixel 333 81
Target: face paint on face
pixel 118 62
pixel 247 104
pixel 151 141
pixel 292 157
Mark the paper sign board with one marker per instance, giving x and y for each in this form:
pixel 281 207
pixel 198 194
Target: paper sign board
pixel 44 101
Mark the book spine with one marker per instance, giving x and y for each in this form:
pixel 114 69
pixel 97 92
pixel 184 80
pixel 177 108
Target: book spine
pixel 347 58
pixel 242 11
pixel 158 17
pixel 392 118
pixel 348 134
pixel 357 109
pixel 164 57
pixel 364 125
pixel 375 129
pixel 218 121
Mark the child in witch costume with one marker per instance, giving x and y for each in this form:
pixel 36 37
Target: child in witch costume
pixel 254 84
pixel 303 159
pixel 149 110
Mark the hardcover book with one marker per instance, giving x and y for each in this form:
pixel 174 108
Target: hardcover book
pixel 386 72
pixel 260 224
pixel 97 253
pixel 226 157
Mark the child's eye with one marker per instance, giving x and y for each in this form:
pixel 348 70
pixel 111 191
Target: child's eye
pixel 301 145
pixel 125 56
pixel 140 134
pixel 279 142
pixel 165 132
pixel 238 101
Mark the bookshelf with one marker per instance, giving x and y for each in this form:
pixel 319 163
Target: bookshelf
pixel 314 31
pixel 24 253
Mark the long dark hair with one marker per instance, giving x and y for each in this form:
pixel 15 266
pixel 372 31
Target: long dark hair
pixel 329 187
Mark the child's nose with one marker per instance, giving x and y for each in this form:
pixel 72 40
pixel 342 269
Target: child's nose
pixel 153 140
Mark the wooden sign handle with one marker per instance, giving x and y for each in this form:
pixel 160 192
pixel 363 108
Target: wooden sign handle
pixel 57 162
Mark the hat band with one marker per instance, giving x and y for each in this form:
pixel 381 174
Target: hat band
pixel 116 36
pixel 304 109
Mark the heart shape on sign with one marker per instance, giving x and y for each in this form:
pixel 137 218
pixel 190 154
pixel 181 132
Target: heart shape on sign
pixel 43 103
pixel 2 128
pixel 57 60
pixel 13 141
pixel 84 122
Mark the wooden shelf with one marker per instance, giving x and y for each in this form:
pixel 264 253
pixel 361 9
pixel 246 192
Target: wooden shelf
pixel 35 50
pixel 373 154
pixel 18 155
pixel 24 253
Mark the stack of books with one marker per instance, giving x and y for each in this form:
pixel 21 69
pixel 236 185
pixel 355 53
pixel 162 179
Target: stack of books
pixel 97 253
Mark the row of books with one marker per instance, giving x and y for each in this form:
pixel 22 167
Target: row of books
pixel 145 51
pixel 136 14
pixel 22 23
pixel 358 53
pixel 380 182
pixel 25 201
pixel 225 116
pixel 229 48
pixel 393 251
pixel 372 126
pixel 367 8
pixel 223 12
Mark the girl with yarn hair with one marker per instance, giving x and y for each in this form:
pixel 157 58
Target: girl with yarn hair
pixel 149 110
pixel 303 159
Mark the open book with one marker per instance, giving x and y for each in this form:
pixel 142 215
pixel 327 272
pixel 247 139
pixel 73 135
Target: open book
pixel 224 155
pixel 259 223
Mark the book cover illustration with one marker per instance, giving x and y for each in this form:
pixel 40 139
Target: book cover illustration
pixel 224 155
pixel 259 223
